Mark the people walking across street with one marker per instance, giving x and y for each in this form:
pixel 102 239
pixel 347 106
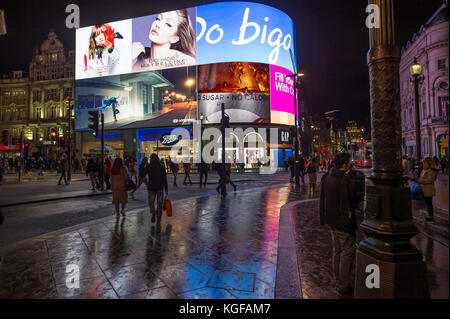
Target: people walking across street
pixel 119 179
pixel 311 170
pixel 224 171
pixel 64 165
pixel 203 170
pixel 107 172
pixel 141 175
pixel 156 183
pixel 92 171
pixel 337 200
pixel 187 170
pixel 426 180
pixel 133 170
pixel 174 169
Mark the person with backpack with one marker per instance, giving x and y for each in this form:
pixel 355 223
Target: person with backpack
pixel 156 183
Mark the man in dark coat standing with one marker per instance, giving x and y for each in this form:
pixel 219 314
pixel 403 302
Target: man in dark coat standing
pixel 339 197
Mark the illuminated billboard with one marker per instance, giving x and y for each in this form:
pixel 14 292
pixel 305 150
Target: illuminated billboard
pixel 237 53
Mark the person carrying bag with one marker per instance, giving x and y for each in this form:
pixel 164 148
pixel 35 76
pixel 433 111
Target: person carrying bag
pixel 157 182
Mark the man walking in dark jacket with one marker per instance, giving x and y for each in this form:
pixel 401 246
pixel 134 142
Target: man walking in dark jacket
pixel 338 200
pixel 64 168
pixel 157 181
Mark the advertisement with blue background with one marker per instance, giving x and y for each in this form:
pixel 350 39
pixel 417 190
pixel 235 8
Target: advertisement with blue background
pixel 244 32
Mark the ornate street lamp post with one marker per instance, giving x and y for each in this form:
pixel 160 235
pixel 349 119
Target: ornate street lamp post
pixel 387 265
pixel 416 70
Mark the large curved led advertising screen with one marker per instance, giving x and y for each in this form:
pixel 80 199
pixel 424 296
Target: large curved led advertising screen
pixel 241 53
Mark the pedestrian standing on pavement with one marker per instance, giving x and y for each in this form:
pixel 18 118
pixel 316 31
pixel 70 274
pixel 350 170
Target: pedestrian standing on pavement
pixel 311 170
pixel 187 170
pixel 444 164
pixel 107 172
pixel 426 180
pixel 203 170
pixel 64 167
pixel 174 168
pixel 92 171
pixel 100 177
pixel 156 183
pixel 40 166
pixel 142 173
pixel 119 179
pixel 405 165
pixel 291 163
pixel 336 212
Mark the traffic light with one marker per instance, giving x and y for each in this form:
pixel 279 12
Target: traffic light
pixel 62 142
pixel 53 134
pixel 94 116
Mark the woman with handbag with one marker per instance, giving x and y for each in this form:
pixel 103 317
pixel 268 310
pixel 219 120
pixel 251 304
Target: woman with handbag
pixel 426 180
pixel 119 181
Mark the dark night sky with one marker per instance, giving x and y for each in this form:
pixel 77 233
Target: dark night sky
pixel 332 40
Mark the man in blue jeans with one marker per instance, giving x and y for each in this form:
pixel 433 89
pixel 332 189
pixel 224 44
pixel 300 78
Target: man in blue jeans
pixel 338 199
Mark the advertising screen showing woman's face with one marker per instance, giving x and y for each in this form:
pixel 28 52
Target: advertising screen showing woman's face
pixel 164 28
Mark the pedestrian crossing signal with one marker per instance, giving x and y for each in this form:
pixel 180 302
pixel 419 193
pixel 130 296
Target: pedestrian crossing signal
pixel 94 116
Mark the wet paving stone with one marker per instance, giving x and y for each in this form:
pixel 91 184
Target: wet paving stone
pixel 182 277
pixel 93 288
pixel 261 291
pixel 207 293
pixel 133 279
pixel 232 279
pixel 209 248
pixel 157 293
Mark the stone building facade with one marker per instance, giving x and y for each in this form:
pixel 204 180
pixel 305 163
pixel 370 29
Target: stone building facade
pixel 430 47
pixel 36 103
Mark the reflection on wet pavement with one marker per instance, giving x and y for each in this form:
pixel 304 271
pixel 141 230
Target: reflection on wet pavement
pixel 210 248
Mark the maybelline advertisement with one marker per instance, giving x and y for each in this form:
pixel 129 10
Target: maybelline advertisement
pixel 103 50
pixel 164 40
pixel 242 86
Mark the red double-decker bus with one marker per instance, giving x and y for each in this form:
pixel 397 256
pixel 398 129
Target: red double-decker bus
pixel 362 154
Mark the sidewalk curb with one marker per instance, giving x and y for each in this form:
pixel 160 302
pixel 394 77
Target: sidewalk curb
pixel 53 199
pixel 98 193
pixel 288 282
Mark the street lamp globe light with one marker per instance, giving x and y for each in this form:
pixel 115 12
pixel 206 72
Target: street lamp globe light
pixel 416 68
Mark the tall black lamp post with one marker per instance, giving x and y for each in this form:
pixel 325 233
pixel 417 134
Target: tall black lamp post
pixel 296 79
pixel 387 264
pixel 417 78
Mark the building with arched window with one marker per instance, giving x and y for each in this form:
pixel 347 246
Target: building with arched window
pixel 430 47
